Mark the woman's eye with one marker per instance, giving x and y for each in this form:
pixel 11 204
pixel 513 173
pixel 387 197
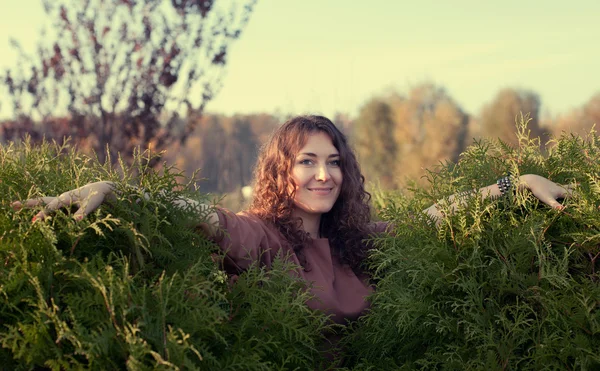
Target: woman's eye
pixel 305 162
pixel 335 162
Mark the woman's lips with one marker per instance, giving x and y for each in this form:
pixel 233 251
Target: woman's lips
pixel 321 191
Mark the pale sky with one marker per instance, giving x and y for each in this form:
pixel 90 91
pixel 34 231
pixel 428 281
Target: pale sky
pixel 327 56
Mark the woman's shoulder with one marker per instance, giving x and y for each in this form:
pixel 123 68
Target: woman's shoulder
pixel 226 215
pixel 247 238
pixel 245 222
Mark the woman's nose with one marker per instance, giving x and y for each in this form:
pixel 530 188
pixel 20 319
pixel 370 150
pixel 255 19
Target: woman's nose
pixel 323 174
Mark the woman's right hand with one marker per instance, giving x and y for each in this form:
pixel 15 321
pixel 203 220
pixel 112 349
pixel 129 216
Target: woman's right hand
pixel 88 198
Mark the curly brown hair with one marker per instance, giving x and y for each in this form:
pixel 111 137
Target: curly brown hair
pixel 345 225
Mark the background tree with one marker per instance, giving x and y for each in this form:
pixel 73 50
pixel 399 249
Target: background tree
pixel 429 128
pixel 497 118
pixel 224 148
pixel 119 70
pixel 374 142
pixel 580 121
pixel 230 151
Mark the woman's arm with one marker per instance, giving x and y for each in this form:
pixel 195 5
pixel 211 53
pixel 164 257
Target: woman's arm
pixel 89 197
pixel 244 238
pixel 544 189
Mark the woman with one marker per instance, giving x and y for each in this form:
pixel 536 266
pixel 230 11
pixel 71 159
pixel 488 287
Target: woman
pixel 310 204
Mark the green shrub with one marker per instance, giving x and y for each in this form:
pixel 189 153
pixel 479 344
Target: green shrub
pixel 132 286
pixel 502 284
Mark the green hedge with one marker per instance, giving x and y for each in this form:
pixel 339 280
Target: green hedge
pixel 506 284
pixel 131 286
pixel 502 284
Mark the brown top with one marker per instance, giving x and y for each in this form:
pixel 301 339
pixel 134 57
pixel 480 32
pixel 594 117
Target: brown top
pixel 338 291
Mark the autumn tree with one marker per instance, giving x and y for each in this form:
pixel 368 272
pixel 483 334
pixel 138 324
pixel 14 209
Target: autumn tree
pixel 373 138
pixel 230 151
pixel 497 118
pixel 580 121
pixel 430 127
pixel 223 148
pixel 122 71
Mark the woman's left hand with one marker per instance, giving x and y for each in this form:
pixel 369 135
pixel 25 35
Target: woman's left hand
pixel 546 190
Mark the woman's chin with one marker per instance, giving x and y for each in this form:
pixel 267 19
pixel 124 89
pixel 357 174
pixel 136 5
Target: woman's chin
pixel 314 209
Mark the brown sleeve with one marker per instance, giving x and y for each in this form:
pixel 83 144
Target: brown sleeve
pixel 245 239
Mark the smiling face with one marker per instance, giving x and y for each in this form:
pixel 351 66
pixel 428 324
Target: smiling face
pixel 317 175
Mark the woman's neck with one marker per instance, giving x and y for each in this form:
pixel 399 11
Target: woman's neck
pixel 310 222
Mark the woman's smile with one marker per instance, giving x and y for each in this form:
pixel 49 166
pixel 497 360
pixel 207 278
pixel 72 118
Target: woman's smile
pixel 317 175
pixel 321 191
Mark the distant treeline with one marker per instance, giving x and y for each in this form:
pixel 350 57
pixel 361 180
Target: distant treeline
pixel 399 136
pixel 123 75
pixel 396 136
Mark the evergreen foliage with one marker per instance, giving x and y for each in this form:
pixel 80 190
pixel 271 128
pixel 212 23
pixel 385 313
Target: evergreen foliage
pixel 502 284
pixel 132 286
